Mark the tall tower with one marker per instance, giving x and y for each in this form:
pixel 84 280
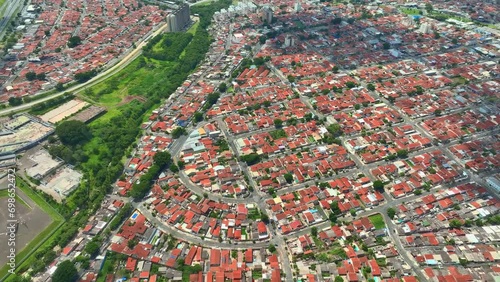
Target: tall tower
pixel 267 15
pixel 297 6
pixel 172 23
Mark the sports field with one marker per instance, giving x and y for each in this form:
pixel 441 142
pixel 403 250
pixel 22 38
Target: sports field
pixel 36 220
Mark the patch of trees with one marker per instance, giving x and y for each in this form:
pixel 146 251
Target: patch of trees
pixel 350 84
pixel 336 20
pixel 198 116
pixel 65 272
pixel 222 87
pixel 15 101
pixel 120 217
pixel 178 132
pixel 206 11
pixel 74 41
pixel 288 178
pixel 85 76
pixel 73 132
pixel 391 212
pixel 30 76
pixel 334 132
pixel 278 123
pixel 334 129
pixel 161 161
pixel 378 185
pixel 196 52
pixel 170 48
pixel 212 99
pixel 251 158
pixel 72 155
pixel 92 248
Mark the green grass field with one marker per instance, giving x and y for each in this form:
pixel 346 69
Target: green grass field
pixel 193 28
pixel 377 221
pixel 38 200
pixel 2 8
pixel 4 194
pixel 131 81
pixel 410 11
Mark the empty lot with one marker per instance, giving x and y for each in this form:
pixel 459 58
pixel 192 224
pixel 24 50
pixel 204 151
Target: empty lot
pixel 33 221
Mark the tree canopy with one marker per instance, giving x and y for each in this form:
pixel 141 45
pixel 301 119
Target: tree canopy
pixel 30 76
pixel 391 212
pixel 288 177
pixel 251 159
pixel 162 159
pixel 73 132
pixel 15 101
pixel 222 87
pixel 74 41
pixel 336 20
pixel 334 206
pixel 278 123
pixel 378 185
pixel 65 272
pixel 82 77
pixel 92 248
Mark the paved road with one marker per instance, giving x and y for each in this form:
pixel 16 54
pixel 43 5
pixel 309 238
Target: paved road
pixel 127 59
pixel 168 229
pixel 9 9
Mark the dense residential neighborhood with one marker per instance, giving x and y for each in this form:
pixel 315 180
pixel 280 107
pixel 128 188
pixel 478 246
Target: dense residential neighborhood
pixel 312 141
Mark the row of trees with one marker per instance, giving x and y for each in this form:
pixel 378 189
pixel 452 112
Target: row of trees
pixel 85 76
pixel 123 214
pixel 161 161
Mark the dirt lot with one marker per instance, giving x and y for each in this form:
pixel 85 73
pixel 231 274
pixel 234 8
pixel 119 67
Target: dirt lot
pixel 129 99
pixel 34 220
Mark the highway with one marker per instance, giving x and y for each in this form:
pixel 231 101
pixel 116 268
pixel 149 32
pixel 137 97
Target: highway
pixel 7 12
pixel 127 59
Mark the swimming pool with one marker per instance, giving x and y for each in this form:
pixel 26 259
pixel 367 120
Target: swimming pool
pixel 135 215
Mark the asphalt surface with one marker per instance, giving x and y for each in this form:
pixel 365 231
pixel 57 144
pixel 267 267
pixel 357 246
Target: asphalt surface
pixel 9 7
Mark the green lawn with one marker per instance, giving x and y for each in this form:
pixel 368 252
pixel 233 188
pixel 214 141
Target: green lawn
pixel 5 194
pixel 410 11
pixel 2 8
pixel 253 214
pixel 377 221
pixel 38 200
pixel 459 80
pixel 192 29
pixel 130 81
pixel 299 24
pixel 256 274
pixel 205 3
